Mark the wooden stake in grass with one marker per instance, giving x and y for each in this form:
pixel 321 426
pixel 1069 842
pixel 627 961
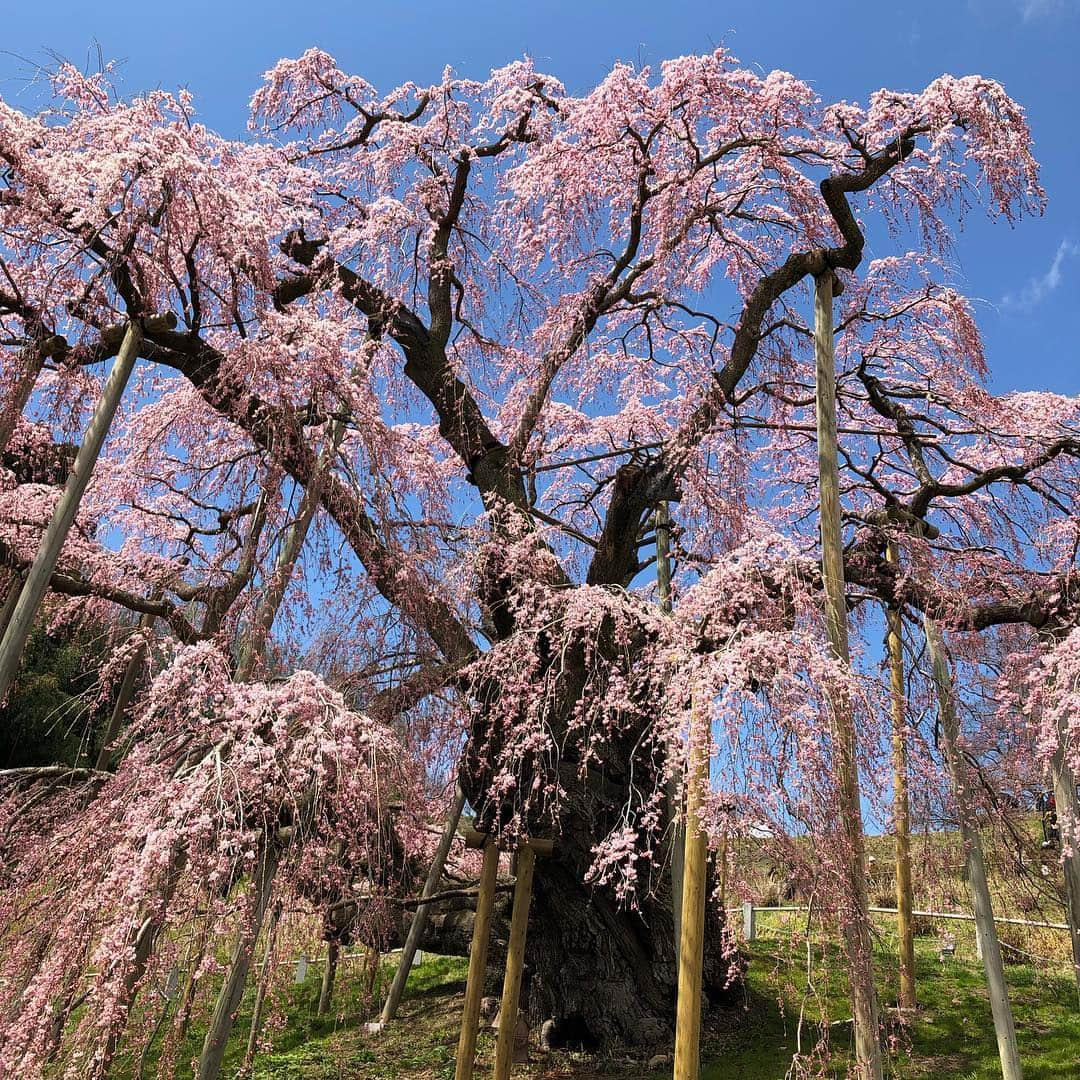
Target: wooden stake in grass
pixel 901 801
pixel 1000 1007
pixel 326 988
pixel 37 580
pixel 692 938
pixel 228 1000
pixel 1068 813
pixel 857 917
pixel 420 919
pixel 260 994
pixel 515 963
pixel 474 988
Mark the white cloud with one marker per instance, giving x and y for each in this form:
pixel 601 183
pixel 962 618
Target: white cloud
pixel 1039 288
pixel 1044 9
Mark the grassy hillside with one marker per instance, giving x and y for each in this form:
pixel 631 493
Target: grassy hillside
pixel 951 1038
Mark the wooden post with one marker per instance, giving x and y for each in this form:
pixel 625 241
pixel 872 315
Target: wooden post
pixel 1068 813
pixel 420 919
pixel 692 939
pixel 123 697
pixel 474 988
pixel 37 580
pixel 901 801
pixel 515 963
pixel 326 989
pixel 259 633
pixel 260 993
pixel 674 785
pixel 1000 1007
pixel 10 600
pixel 33 360
pixel 857 918
pixel 749 922
pixel 228 1000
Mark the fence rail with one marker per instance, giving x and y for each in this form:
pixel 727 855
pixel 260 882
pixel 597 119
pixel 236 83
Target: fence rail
pixel 750 912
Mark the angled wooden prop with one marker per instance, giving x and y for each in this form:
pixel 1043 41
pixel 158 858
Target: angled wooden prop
pixel 420 919
pixel 986 931
pixel 37 579
pixel 474 987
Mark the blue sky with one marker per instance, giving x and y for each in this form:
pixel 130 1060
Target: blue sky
pixel 1026 278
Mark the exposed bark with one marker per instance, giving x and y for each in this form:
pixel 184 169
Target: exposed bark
pixel 590 962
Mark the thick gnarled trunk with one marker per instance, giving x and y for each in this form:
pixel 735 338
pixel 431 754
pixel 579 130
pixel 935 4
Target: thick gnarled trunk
pixel 604 973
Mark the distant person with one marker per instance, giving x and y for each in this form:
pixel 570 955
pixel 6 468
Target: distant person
pixel 1046 804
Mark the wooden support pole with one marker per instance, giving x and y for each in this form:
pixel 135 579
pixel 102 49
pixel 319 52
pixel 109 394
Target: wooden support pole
pixel 232 990
pixel 326 988
pixel 474 988
pixel 31 360
pixel 692 938
pixel 901 800
pixel 37 580
pixel 749 921
pixel 10 600
pixel 663 557
pixel 1068 814
pixel 123 697
pixel 856 918
pixel 674 784
pixel 990 949
pixel 260 993
pixel 255 645
pixel 515 963
pixel 420 919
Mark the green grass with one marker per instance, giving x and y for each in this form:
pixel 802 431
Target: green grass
pixel 334 1046
pixel 951 1037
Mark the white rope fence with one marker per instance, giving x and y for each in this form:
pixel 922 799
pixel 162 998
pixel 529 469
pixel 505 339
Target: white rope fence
pixel 750 912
